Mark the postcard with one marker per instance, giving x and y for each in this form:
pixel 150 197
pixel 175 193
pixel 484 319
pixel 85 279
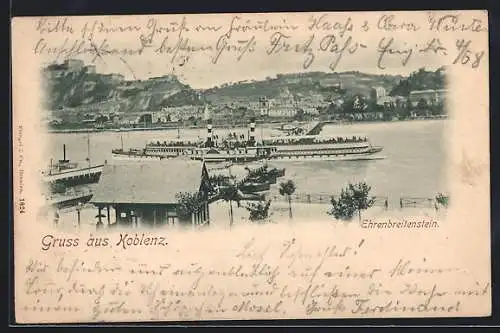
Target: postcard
pixel 251 166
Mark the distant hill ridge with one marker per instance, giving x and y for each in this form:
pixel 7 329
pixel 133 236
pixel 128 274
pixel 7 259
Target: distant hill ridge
pixel 82 88
pixel 421 80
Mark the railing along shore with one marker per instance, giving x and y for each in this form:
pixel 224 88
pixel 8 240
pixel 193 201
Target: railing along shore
pixel 379 201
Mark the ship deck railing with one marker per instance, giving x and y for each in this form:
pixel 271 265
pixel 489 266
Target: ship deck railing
pixel 68 195
pixel 290 140
pixel 180 144
pixel 57 168
pixel 73 173
pixel 313 141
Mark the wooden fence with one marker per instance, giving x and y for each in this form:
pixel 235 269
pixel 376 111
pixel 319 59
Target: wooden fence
pixel 380 201
pixel 417 202
pixel 319 198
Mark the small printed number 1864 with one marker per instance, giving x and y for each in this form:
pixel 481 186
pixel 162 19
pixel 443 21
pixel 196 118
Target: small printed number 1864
pixel 22 206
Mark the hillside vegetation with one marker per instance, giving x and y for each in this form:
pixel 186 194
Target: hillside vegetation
pixel 89 91
pixel 303 84
pixel 420 80
pixel 94 92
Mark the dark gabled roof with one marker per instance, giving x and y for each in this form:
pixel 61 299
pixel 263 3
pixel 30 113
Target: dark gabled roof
pixel 147 182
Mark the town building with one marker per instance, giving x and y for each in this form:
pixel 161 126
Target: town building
pixel 285 111
pixel 90 69
pixel 145 194
pixel 378 94
pixel 400 101
pixel 311 103
pixel 284 98
pixel 68 67
pixel 333 83
pixel 429 96
pixel 183 112
pixel 206 113
pixel 264 105
pixel 386 101
pixel 283 105
pixel 74 65
pixel 129 119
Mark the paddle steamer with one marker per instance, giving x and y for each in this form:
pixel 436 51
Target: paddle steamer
pixel 288 148
pixel 244 150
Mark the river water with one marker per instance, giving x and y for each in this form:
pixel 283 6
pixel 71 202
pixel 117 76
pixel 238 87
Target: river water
pixel 414 164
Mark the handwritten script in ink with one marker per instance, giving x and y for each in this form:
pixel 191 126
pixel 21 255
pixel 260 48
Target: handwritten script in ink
pixel 259 280
pixel 381 40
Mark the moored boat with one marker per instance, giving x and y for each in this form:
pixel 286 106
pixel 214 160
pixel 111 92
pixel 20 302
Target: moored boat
pixel 157 149
pixel 68 199
pixel 70 174
pixel 254 187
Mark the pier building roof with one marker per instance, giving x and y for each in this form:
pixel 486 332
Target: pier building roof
pixel 148 182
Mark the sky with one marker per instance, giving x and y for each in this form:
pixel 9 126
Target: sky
pixel 210 75
pixel 259 61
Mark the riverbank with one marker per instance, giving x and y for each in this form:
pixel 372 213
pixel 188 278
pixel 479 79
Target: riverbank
pixel 265 125
pixel 219 216
pixel 142 129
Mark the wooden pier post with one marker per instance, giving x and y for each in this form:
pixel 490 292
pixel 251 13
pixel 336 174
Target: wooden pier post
pixel 99 219
pixel 207 207
pixel 107 211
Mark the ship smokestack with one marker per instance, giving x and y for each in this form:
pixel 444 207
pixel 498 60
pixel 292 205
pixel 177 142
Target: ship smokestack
pixel 209 133
pixel 251 135
pixel 64 160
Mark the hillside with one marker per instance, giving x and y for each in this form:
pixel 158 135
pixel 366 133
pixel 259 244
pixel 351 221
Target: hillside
pixel 303 84
pixel 78 89
pixel 420 80
pixel 73 86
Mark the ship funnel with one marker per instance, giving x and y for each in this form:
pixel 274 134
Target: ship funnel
pixel 64 160
pixel 251 136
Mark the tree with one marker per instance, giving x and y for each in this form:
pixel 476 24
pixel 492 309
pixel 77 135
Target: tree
pixel 229 194
pixel 438 109
pixel 299 116
pixel 58 188
pixel 259 211
pixel 355 104
pixel 287 189
pixel 353 198
pixel 420 80
pixel 188 204
pixel 442 199
pixel 403 113
pixel 422 104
